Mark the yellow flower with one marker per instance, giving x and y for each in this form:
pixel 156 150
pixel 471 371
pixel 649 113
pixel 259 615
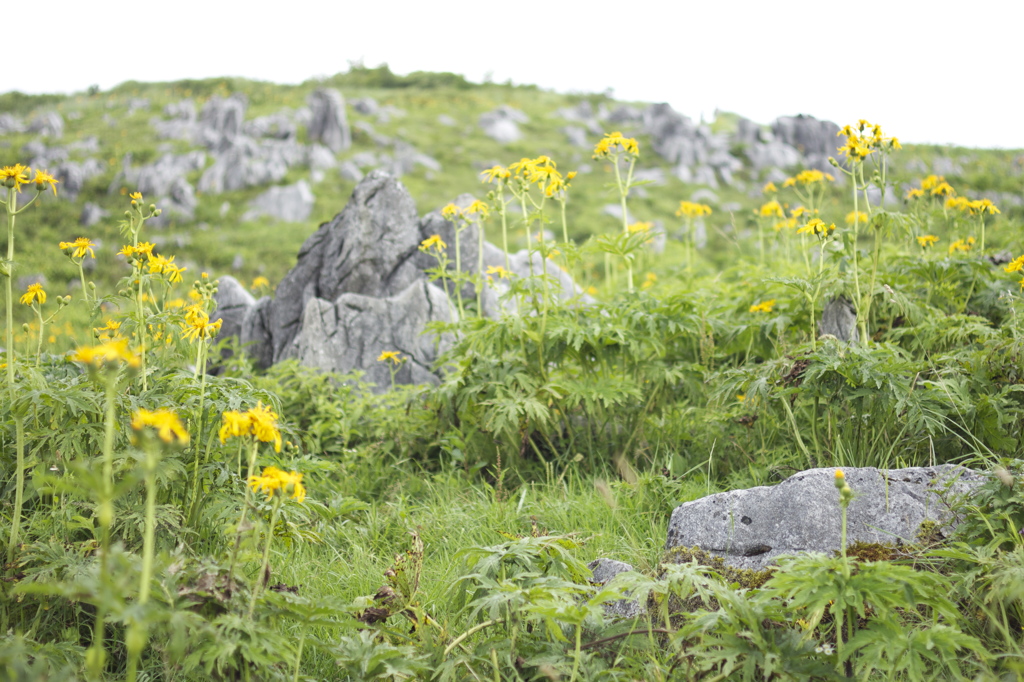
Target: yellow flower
pixel 14 176
pixel 816 226
pixel 44 178
pixel 797 212
pixel 137 196
pixel 393 355
pixel 763 306
pixel 273 479
pixel 649 280
pixel 914 193
pixel 234 424
pixel 959 203
pixel 451 211
pixel 81 246
pixel 812 176
pixel 174 303
pixel 789 182
pixel 741 397
pixel 770 188
pixel 260 282
pixel 110 353
pixel 434 241
pixel 34 293
pixel 770 209
pixel 943 189
pixel 1016 265
pixel 197 324
pixel 264 425
pixel 961 245
pixel 932 181
pixel 606 147
pixel 496 172
pixel 168 427
pixel 173 272
pixel 478 207
pixel 640 227
pixel 523 166
pixel 501 272
pixel 927 240
pixel 982 206
pixel 112 326
pixel 690 209
pixel 856 217
pixel 839 474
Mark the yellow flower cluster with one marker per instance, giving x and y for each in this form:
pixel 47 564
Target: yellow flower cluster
pixel 808 177
pixel 772 209
pixel 927 240
pixel 763 306
pixel 961 245
pixel 168 427
pixel 106 332
pixel 649 280
pixel 770 188
pixel 130 252
pixel 856 217
pixel 943 189
pixel 433 241
pixel 1016 265
pixel 543 172
pixel 197 324
pixel 976 207
pixel 864 139
pixel 496 173
pixel 111 353
pixel 259 421
pixel 690 209
pixel 79 248
pixel 34 293
pixel 273 479
pixel 13 177
pixel 613 144
pixel 914 193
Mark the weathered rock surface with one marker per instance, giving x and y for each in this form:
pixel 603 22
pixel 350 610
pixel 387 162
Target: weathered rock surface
pixel 92 214
pixel 328 124
pixel 839 319
pixel 501 125
pixel 290 203
pixel 752 528
pixel 49 124
pixel 603 571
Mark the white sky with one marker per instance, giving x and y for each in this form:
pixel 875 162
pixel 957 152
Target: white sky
pixel 926 71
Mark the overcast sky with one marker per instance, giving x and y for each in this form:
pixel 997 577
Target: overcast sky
pixel 926 71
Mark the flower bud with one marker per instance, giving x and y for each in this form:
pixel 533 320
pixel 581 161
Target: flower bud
pixel 24 327
pixel 832 160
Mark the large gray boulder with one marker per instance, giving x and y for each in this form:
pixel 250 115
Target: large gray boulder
pixel 352 331
pixel 221 121
pixel 328 124
pixel 752 528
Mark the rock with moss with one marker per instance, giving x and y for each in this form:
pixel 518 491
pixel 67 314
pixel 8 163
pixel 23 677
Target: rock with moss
pixel 603 571
pixel 750 529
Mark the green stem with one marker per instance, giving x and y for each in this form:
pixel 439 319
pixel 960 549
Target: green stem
pixel 861 322
pixel 81 275
pixel 42 326
pixel 480 268
pixel 261 579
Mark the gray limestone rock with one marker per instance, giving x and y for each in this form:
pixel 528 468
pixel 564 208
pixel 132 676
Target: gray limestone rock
pixel 233 303
pixel 180 121
pixel 352 331
pixel 250 163
pixel 752 528
pixel 603 571
pixel 221 120
pixel 290 203
pixel 772 154
pixel 367 106
pixel 279 126
pixel 73 175
pixel 673 136
pixel 328 124
pixel 92 214
pixel 48 124
pixel 9 123
pixel 350 172
pixel 576 136
pixel 808 135
pixel 839 319
pixel 501 125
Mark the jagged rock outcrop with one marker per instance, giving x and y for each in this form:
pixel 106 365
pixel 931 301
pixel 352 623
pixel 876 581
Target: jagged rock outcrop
pixel 9 123
pixel 752 528
pixel 815 140
pixel 49 124
pixel 360 288
pixel 92 214
pixel 328 124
